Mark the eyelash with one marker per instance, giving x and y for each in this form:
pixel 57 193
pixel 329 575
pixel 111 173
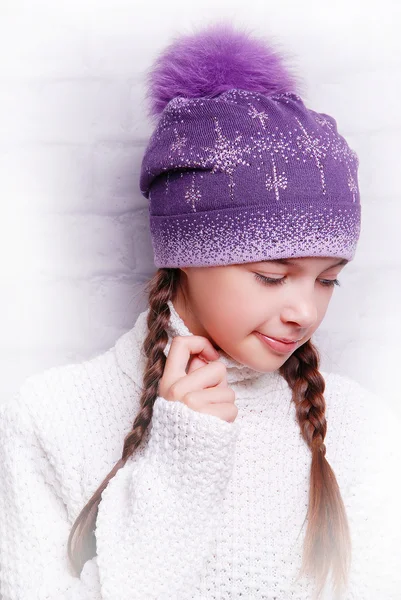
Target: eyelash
pixel 271 281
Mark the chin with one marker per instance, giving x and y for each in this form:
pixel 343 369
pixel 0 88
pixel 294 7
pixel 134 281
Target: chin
pixel 266 366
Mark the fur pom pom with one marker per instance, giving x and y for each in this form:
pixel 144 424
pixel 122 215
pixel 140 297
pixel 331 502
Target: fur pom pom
pixel 213 60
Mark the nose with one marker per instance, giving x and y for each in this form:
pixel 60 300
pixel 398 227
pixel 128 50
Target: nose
pixel 302 310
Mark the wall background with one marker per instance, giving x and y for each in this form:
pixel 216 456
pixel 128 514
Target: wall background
pixel 74 238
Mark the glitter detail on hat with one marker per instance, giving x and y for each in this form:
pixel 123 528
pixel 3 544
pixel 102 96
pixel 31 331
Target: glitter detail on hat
pixel 255 114
pixel 236 236
pixel 226 155
pixel 193 194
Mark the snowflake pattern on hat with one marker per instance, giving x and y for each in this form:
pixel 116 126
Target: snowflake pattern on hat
pixel 226 154
pixel 266 148
pixel 261 115
pixel 341 151
pixel 179 143
pixel 193 194
pixel 315 147
pixel 305 205
pixel 276 181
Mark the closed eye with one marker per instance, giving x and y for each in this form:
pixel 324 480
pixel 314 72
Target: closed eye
pixel 279 281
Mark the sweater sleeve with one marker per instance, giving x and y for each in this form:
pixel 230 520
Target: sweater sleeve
pixel 154 520
pixel 34 528
pixel 158 515
pixel 373 505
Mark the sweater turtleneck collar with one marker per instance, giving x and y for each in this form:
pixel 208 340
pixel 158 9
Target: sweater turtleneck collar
pixel 130 356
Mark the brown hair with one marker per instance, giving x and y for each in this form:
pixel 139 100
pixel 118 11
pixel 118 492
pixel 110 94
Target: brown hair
pixel 327 540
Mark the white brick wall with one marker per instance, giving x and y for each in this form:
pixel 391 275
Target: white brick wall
pixel 75 247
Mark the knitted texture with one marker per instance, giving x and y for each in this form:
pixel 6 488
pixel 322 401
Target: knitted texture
pixel 205 509
pixel 245 171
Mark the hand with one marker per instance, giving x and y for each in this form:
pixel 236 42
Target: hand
pixel 204 387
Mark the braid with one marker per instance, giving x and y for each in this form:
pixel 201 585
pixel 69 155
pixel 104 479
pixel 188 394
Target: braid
pixel 160 289
pixel 327 539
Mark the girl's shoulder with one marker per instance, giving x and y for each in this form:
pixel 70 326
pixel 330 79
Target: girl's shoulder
pixel 107 383
pixel 83 407
pixel 81 388
pixel 351 398
pixel 78 415
pixel 362 427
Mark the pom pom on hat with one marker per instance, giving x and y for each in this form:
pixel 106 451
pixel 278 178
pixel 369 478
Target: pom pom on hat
pixel 212 61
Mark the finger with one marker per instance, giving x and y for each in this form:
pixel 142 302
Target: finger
pixel 226 411
pixel 214 395
pixel 212 375
pixel 181 350
pixel 196 363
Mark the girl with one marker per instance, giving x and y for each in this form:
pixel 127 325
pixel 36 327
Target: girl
pixel 201 457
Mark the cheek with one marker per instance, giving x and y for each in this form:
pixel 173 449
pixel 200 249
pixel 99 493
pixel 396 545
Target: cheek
pixel 323 303
pixel 226 312
pixel 321 308
pixel 227 291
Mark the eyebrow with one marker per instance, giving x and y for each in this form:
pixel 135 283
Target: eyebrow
pixel 286 261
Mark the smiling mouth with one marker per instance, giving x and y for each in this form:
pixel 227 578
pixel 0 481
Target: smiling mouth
pixel 278 346
pixel 282 340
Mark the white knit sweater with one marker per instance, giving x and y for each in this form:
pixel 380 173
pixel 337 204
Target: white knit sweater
pixel 206 509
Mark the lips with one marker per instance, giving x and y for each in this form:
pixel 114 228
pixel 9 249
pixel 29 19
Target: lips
pixel 278 346
pixel 284 340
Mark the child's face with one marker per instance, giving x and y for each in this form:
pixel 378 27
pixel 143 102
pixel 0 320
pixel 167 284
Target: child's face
pixel 227 304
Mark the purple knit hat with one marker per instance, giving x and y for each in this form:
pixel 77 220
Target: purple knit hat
pixel 238 169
